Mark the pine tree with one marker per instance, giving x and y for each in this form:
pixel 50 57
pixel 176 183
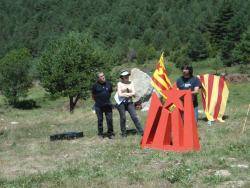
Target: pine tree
pixel 241 52
pixel 219 28
pixel 197 48
pixel 225 32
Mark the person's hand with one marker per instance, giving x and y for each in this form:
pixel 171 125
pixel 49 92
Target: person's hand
pixel 113 106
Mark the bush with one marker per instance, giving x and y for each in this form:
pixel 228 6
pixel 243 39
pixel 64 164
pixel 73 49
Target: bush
pixel 15 79
pixel 216 64
pixel 146 53
pixel 180 57
pixel 181 173
pixel 244 69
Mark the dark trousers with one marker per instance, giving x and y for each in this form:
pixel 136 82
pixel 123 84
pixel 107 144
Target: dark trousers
pixel 122 108
pixel 107 110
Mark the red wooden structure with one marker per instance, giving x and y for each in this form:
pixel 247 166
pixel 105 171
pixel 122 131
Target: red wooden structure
pixel 171 126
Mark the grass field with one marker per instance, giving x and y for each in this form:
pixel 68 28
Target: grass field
pixel 29 159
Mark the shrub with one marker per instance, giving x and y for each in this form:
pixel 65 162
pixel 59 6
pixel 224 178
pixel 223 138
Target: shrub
pixel 15 79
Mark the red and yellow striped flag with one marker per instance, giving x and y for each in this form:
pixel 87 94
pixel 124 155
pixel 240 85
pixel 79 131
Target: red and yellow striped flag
pixel 160 80
pixel 214 96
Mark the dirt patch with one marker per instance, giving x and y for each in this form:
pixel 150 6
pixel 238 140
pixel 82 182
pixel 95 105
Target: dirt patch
pixel 237 78
pixel 157 165
pixel 232 184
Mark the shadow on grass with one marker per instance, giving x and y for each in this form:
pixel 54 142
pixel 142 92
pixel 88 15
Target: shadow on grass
pixel 27 105
pixel 225 117
pixel 205 118
pixel 128 132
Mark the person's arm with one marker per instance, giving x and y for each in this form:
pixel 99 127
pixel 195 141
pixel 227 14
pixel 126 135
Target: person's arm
pixel 197 86
pixel 196 90
pixel 111 88
pixel 178 83
pixel 120 93
pixel 132 92
pixel 93 92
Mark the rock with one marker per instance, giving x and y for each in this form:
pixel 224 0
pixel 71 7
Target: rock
pixel 14 123
pixel 223 173
pixel 66 156
pixel 240 166
pixel 131 55
pixel 145 105
pixel 232 184
pixel 142 83
pixel 231 159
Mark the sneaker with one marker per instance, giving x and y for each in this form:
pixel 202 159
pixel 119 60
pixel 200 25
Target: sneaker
pixel 123 135
pixel 209 123
pixel 111 136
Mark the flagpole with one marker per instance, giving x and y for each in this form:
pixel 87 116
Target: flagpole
pixel 244 126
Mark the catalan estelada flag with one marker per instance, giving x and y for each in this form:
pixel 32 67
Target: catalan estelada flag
pixel 214 96
pixel 160 80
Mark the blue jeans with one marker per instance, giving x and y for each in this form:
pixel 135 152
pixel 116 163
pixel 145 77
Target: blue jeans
pixel 196 113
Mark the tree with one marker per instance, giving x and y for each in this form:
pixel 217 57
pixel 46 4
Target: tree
pixel 219 29
pixel 226 51
pixel 69 66
pixel 226 30
pixel 241 52
pixel 15 79
pixel 142 52
pixel 197 49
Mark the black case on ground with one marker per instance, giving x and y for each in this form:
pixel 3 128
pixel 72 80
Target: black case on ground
pixel 66 136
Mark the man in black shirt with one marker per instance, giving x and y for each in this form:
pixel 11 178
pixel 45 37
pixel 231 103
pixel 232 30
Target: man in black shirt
pixel 101 93
pixel 188 81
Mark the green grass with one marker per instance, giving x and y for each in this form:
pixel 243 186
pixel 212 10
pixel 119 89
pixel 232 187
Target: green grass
pixel 29 159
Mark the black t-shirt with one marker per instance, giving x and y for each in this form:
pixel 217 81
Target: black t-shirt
pixel 189 83
pixel 102 93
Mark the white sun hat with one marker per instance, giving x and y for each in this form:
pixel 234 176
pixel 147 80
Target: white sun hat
pixel 124 73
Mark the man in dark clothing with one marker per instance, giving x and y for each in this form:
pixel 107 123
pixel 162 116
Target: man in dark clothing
pixel 188 81
pixel 101 93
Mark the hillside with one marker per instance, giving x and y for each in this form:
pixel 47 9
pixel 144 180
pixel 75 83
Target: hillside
pixel 183 29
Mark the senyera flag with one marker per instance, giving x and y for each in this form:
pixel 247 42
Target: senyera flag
pixel 214 96
pixel 160 80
